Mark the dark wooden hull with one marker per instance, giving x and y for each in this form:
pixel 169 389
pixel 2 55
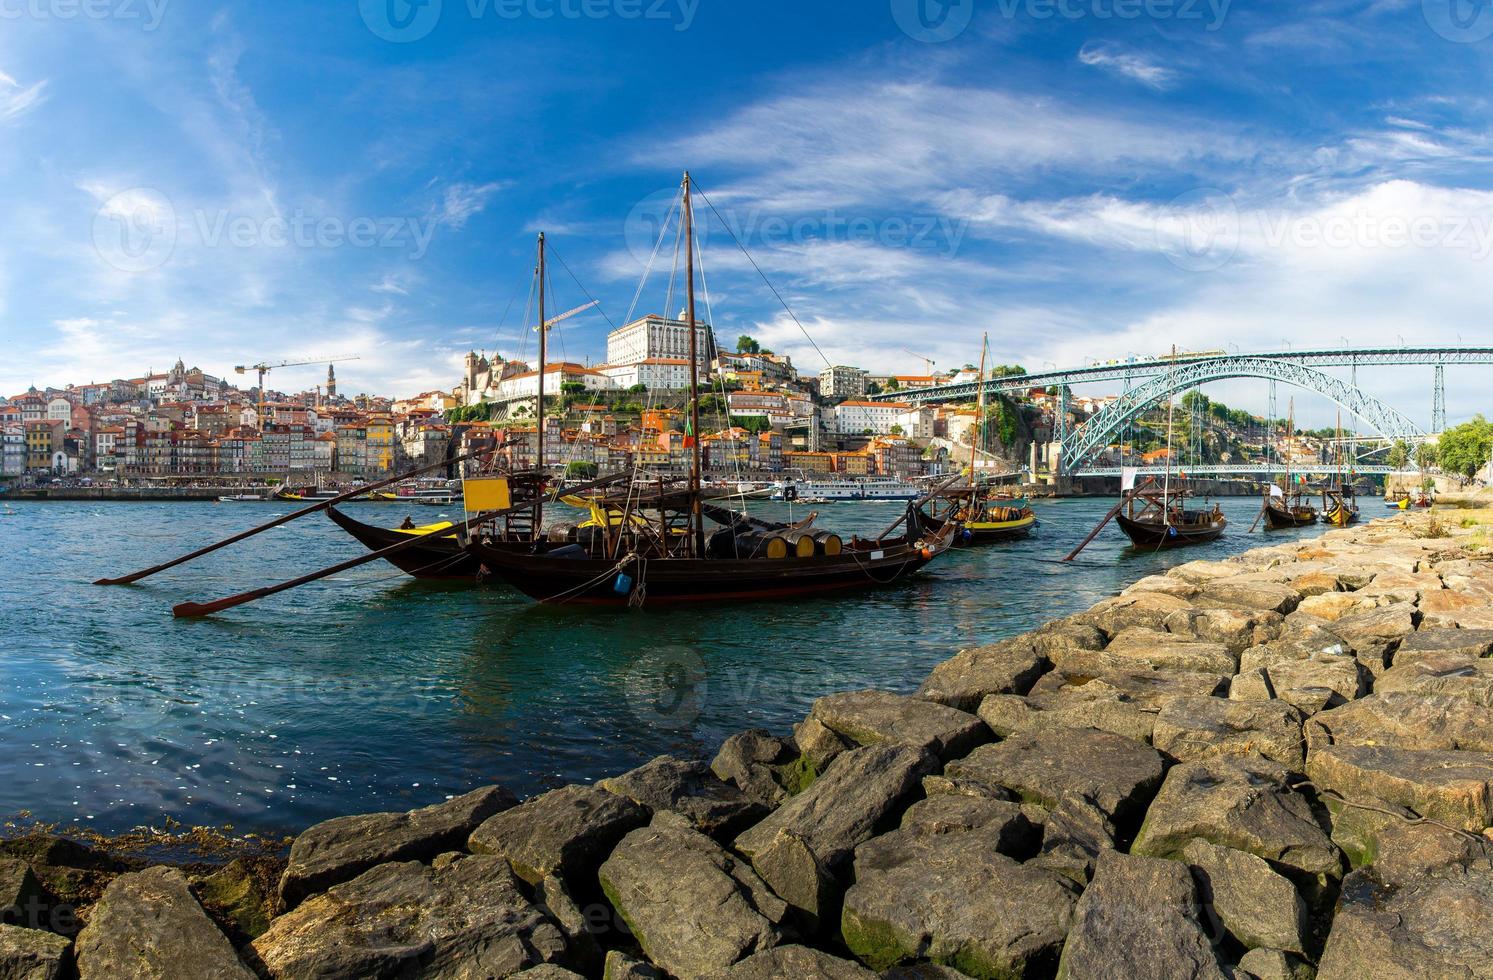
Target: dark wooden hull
pixel 1145 534
pixel 439 557
pixel 1280 518
pixel 984 535
pixel 673 581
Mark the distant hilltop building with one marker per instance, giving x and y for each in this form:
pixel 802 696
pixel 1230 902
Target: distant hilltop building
pixel 482 377
pixel 661 341
pixel 331 382
pixel 843 382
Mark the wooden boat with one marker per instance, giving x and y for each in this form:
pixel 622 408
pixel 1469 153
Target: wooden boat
pixel 1398 503
pixel 439 557
pixel 1288 512
pixel 1339 506
pixel 981 519
pixel 656 549
pixel 1157 518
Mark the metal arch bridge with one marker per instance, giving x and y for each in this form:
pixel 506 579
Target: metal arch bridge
pixel 1165 376
pixel 1249 469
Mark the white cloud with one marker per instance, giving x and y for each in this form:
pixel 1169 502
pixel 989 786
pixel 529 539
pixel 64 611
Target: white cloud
pixel 17 99
pixel 460 202
pixel 1129 65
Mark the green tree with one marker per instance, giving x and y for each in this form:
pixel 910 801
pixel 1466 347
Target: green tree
pixel 580 469
pixel 746 345
pixel 896 430
pixel 893 385
pixel 1464 449
pixel 1398 456
pixel 1426 456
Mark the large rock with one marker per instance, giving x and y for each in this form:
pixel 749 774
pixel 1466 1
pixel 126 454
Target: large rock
pixel 237 898
pixel 1236 629
pixel 1139 917
pixel 1008 667
pixel 1150 688
pixel 1399 719
pixel 1140 648
pixel 694 908
pixel 23 900
pixel 1258 907
pixel 690 789
pixel 339 850
pixel 948 895
pixel 30 954
pixel 1197 728
pixel 1468 643
pixel 566 831
pixel 818 746
pixel 1074 834
pixel 1333 606
pixel 147 925
pixel 1241 803
pixel 866 788
pixel 1147 609
pixel 460 916
pixel 1096 704
pixel 873 717
pixel 1273 964
pixel 1455 788
pixel 1309 685
pixel 796 875
pixel 1263 596
pixel 1117 774
pixel 754 761
pixel 797 962
pixel 1376 633
pixel 1433 926
pixel 1442 673
pixel 1458 610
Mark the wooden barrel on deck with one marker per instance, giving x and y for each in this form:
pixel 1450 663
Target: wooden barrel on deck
pixel 800 543
pixel 828 543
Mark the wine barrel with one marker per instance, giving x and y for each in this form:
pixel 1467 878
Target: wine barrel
pixel 800 543
pixel 758 545
pixel 829 543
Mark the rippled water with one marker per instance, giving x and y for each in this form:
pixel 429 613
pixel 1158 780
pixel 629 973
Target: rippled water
pixel 370 691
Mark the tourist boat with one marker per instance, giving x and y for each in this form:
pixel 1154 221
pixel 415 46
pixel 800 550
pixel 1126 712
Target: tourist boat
pixel 1288 507
pixel 241 498
pixel 825 491
pixel 667 556
pixel 1398 503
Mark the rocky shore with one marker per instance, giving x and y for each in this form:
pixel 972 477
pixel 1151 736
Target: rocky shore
pixel 1270 767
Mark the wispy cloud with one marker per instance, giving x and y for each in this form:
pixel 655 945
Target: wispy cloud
pixel 460 202
pixel 1129 65
pixel 17 99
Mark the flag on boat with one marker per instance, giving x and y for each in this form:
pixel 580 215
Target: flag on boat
pixel 1276 491
pixel 1127 477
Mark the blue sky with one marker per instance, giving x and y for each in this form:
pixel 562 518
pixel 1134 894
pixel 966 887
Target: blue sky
pixel 1080 178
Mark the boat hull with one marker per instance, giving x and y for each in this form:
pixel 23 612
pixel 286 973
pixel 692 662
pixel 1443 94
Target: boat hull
pixel 989 532
pixel 1340 516
pixel 438 557
pixel 675 581
pixel 1281 518
pixel 1145 534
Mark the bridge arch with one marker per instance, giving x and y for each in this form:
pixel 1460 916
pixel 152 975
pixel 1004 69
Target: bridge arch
pixel 1100 430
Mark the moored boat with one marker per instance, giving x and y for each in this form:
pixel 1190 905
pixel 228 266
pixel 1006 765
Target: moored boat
pixel 1162 521
pixel 440 556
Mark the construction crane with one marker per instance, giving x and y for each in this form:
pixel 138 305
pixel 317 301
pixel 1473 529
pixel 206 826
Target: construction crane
pixel 264 368
pixel 927 361
pixel 568 314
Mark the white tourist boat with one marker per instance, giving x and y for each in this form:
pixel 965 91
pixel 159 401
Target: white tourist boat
pixel 876 488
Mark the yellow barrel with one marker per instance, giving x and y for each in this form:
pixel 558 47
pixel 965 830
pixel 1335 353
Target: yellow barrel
pixel 802 543
pixel 829 543
pixel 776 547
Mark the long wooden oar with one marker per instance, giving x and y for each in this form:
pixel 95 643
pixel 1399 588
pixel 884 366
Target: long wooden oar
pixel 189 610
pixel 277 522
pixel 1260 515
pixel 1124 499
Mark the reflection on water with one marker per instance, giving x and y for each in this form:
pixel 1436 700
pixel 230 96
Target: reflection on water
pixel 371 691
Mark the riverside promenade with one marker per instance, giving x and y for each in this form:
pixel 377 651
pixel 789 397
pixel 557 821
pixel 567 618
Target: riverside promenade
pixel 1268 766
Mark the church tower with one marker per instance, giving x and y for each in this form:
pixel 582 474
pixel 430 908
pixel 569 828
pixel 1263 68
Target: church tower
pixel 331 382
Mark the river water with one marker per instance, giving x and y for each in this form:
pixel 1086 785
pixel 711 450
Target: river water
pixel 369 691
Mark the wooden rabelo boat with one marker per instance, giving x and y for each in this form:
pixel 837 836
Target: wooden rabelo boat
pixel 658 549
pixel 1339 504
pixel 1283 510
pixel 1154 517
pixel 437 556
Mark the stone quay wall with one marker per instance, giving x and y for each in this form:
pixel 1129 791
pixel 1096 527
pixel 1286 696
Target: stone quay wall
pixel 1271 766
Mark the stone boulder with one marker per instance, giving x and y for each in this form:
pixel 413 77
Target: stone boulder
pixel 1399 719
pixel 1332 606
pixel 873 717
pixel 147 925
pixel 341 849
pixel 754 761
pixel 620 966
pixel 948 895
pixel 1467 643
pixel 1432 926
pixel 1201 573
pixel 1263 596
pixel 796 875
pixel 1008 667
pixel 1442 673
pixel 1457 610
pixel 1273 964
pixel 1241 803
pixel 1139 917
pixel 1258 907
pixel 23 899
pixel 694 908
pixel 30 954
pixel 798 962
pixel 1146 609
pixel 237 898
pixel 1194 728
pixel 1143 648
pixel 1116 774
pixel 1096 704
pixel 1455 788
pixel 715 808
pixel 1308 685
pixel 460 916
pixel 867 788
pixel 1236 629
pixel 818 746
pixel 1012 829
pixel 1150 688
pixel 567 831
pixel 1074 834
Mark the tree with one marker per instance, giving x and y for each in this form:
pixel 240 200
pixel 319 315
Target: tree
pixel 1426 456
pixel 1398 456
pixel 897 430
pixel 580 469
pixel 893 385
pixel 746 345
pixel 1464 449
pixel 638 390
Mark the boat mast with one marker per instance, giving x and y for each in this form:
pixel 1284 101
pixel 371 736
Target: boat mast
pixel 539 416
pixel 979 418
pixel 1286 444
pixel 697 521
pixel 1166 479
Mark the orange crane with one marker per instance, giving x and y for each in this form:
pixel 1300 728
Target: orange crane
pixel 264 368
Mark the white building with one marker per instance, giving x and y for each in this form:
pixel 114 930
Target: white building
pixel 12 449
pixel 842 382
pixel 59 409
pixel 854 418
pixel 526 385
pixel 654 336
pixel 917 423
pixel 653 373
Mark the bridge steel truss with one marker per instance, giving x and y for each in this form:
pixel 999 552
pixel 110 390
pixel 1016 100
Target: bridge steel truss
pixel 1097 433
